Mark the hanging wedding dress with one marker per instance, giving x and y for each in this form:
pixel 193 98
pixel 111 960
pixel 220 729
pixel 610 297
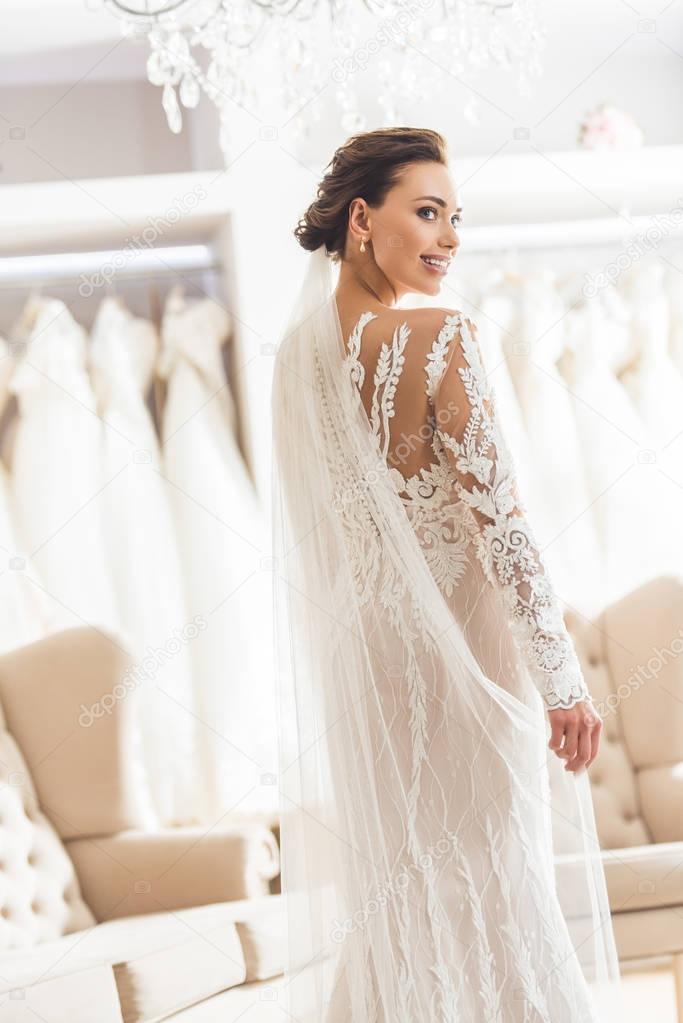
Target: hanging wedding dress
pixel 56 478
pixel 655 385
pixel 144 564
pixel 438 863
pixel 26 610
pixel 674 295
pixel 612 439
pixel 570 547
pixel 223 546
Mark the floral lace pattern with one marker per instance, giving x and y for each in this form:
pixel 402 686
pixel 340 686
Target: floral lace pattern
pixel 474 465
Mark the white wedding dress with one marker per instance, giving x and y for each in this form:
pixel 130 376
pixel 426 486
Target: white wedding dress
pixel 439 865
pixel 555 449
pixel 655 385
pixel 142 551
pixel 674 297
pixel 222 542
pixel 56 478
pixel 612 437
pixel 27 611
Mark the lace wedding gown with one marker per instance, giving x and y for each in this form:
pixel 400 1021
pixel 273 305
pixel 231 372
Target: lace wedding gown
pixel 470 460
pixel 432 873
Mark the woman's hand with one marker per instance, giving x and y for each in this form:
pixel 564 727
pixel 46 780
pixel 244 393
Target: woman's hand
pixel 580 727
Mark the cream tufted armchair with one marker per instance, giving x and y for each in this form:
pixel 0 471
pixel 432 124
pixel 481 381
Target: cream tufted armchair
pixel 102 921
pixel 632 655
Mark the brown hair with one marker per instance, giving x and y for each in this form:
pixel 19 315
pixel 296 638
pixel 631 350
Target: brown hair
pixel 368 165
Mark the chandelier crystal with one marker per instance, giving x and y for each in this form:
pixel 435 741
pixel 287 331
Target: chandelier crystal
pixel 274 63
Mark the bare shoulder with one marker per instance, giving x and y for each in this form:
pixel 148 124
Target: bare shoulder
pixel 432 322
pixel 446 340
pixel 427 317
pixel 431 330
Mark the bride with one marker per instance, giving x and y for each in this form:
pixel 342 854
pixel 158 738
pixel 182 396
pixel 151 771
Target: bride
pixel 440 861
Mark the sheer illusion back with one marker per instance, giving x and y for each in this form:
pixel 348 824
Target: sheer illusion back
pixel 395 371
pixel 432 413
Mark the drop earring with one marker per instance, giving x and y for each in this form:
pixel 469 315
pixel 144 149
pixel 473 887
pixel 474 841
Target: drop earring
pixel 362 245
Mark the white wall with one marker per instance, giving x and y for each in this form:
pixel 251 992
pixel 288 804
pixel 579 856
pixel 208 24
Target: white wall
pixel 602 51
pixel 96 129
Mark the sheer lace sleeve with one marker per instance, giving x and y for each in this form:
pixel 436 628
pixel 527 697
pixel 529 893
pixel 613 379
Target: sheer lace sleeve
pixel 469 433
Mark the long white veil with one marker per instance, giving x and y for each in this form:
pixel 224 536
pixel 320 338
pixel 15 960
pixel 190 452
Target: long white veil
pixel 438 863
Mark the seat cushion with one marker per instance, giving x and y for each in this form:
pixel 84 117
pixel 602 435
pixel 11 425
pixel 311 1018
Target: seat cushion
pixel 68 998
pixel 645 877
pixel 161 962
pixel 262 1001
pixel 191 967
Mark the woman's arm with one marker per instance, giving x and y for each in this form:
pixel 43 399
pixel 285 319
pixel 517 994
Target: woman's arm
pixel 484 476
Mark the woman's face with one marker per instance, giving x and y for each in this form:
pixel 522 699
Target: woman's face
pixel 414 233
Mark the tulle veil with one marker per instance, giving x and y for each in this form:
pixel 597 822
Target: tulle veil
pixel 438 863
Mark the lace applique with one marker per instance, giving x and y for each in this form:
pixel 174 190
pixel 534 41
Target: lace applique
pixel 356 367
pixel 500 534
pixel 444 529
pixel 505 543
pixel 436 359
pixel 377 577
pixel 388 369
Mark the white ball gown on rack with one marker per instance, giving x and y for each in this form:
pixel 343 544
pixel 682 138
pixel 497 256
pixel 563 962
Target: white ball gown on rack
pixel 612 437
pixel 224 552
pixel 571 546
pixel 655 385
pixel 27 611
pixel 144 564
pixel 56 479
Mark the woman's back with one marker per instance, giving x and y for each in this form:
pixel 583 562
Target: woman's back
pixel 431 409
pixel 397 357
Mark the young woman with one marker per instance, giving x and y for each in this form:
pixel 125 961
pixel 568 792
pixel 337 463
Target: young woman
pixel 440 858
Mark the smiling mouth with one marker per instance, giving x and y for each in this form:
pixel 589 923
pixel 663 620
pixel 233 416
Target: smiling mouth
pixel 439 265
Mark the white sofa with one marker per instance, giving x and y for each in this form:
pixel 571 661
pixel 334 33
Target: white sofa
pixel 101 921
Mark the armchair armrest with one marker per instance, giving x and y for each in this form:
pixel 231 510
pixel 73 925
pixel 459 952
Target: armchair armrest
pixel 136 872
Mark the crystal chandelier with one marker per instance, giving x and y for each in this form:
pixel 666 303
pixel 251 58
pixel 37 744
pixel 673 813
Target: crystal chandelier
pixel 275 63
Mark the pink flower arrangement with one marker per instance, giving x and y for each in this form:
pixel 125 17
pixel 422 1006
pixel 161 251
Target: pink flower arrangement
pixel 607 127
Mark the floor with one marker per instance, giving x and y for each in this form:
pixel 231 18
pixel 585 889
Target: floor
pixel 649 995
